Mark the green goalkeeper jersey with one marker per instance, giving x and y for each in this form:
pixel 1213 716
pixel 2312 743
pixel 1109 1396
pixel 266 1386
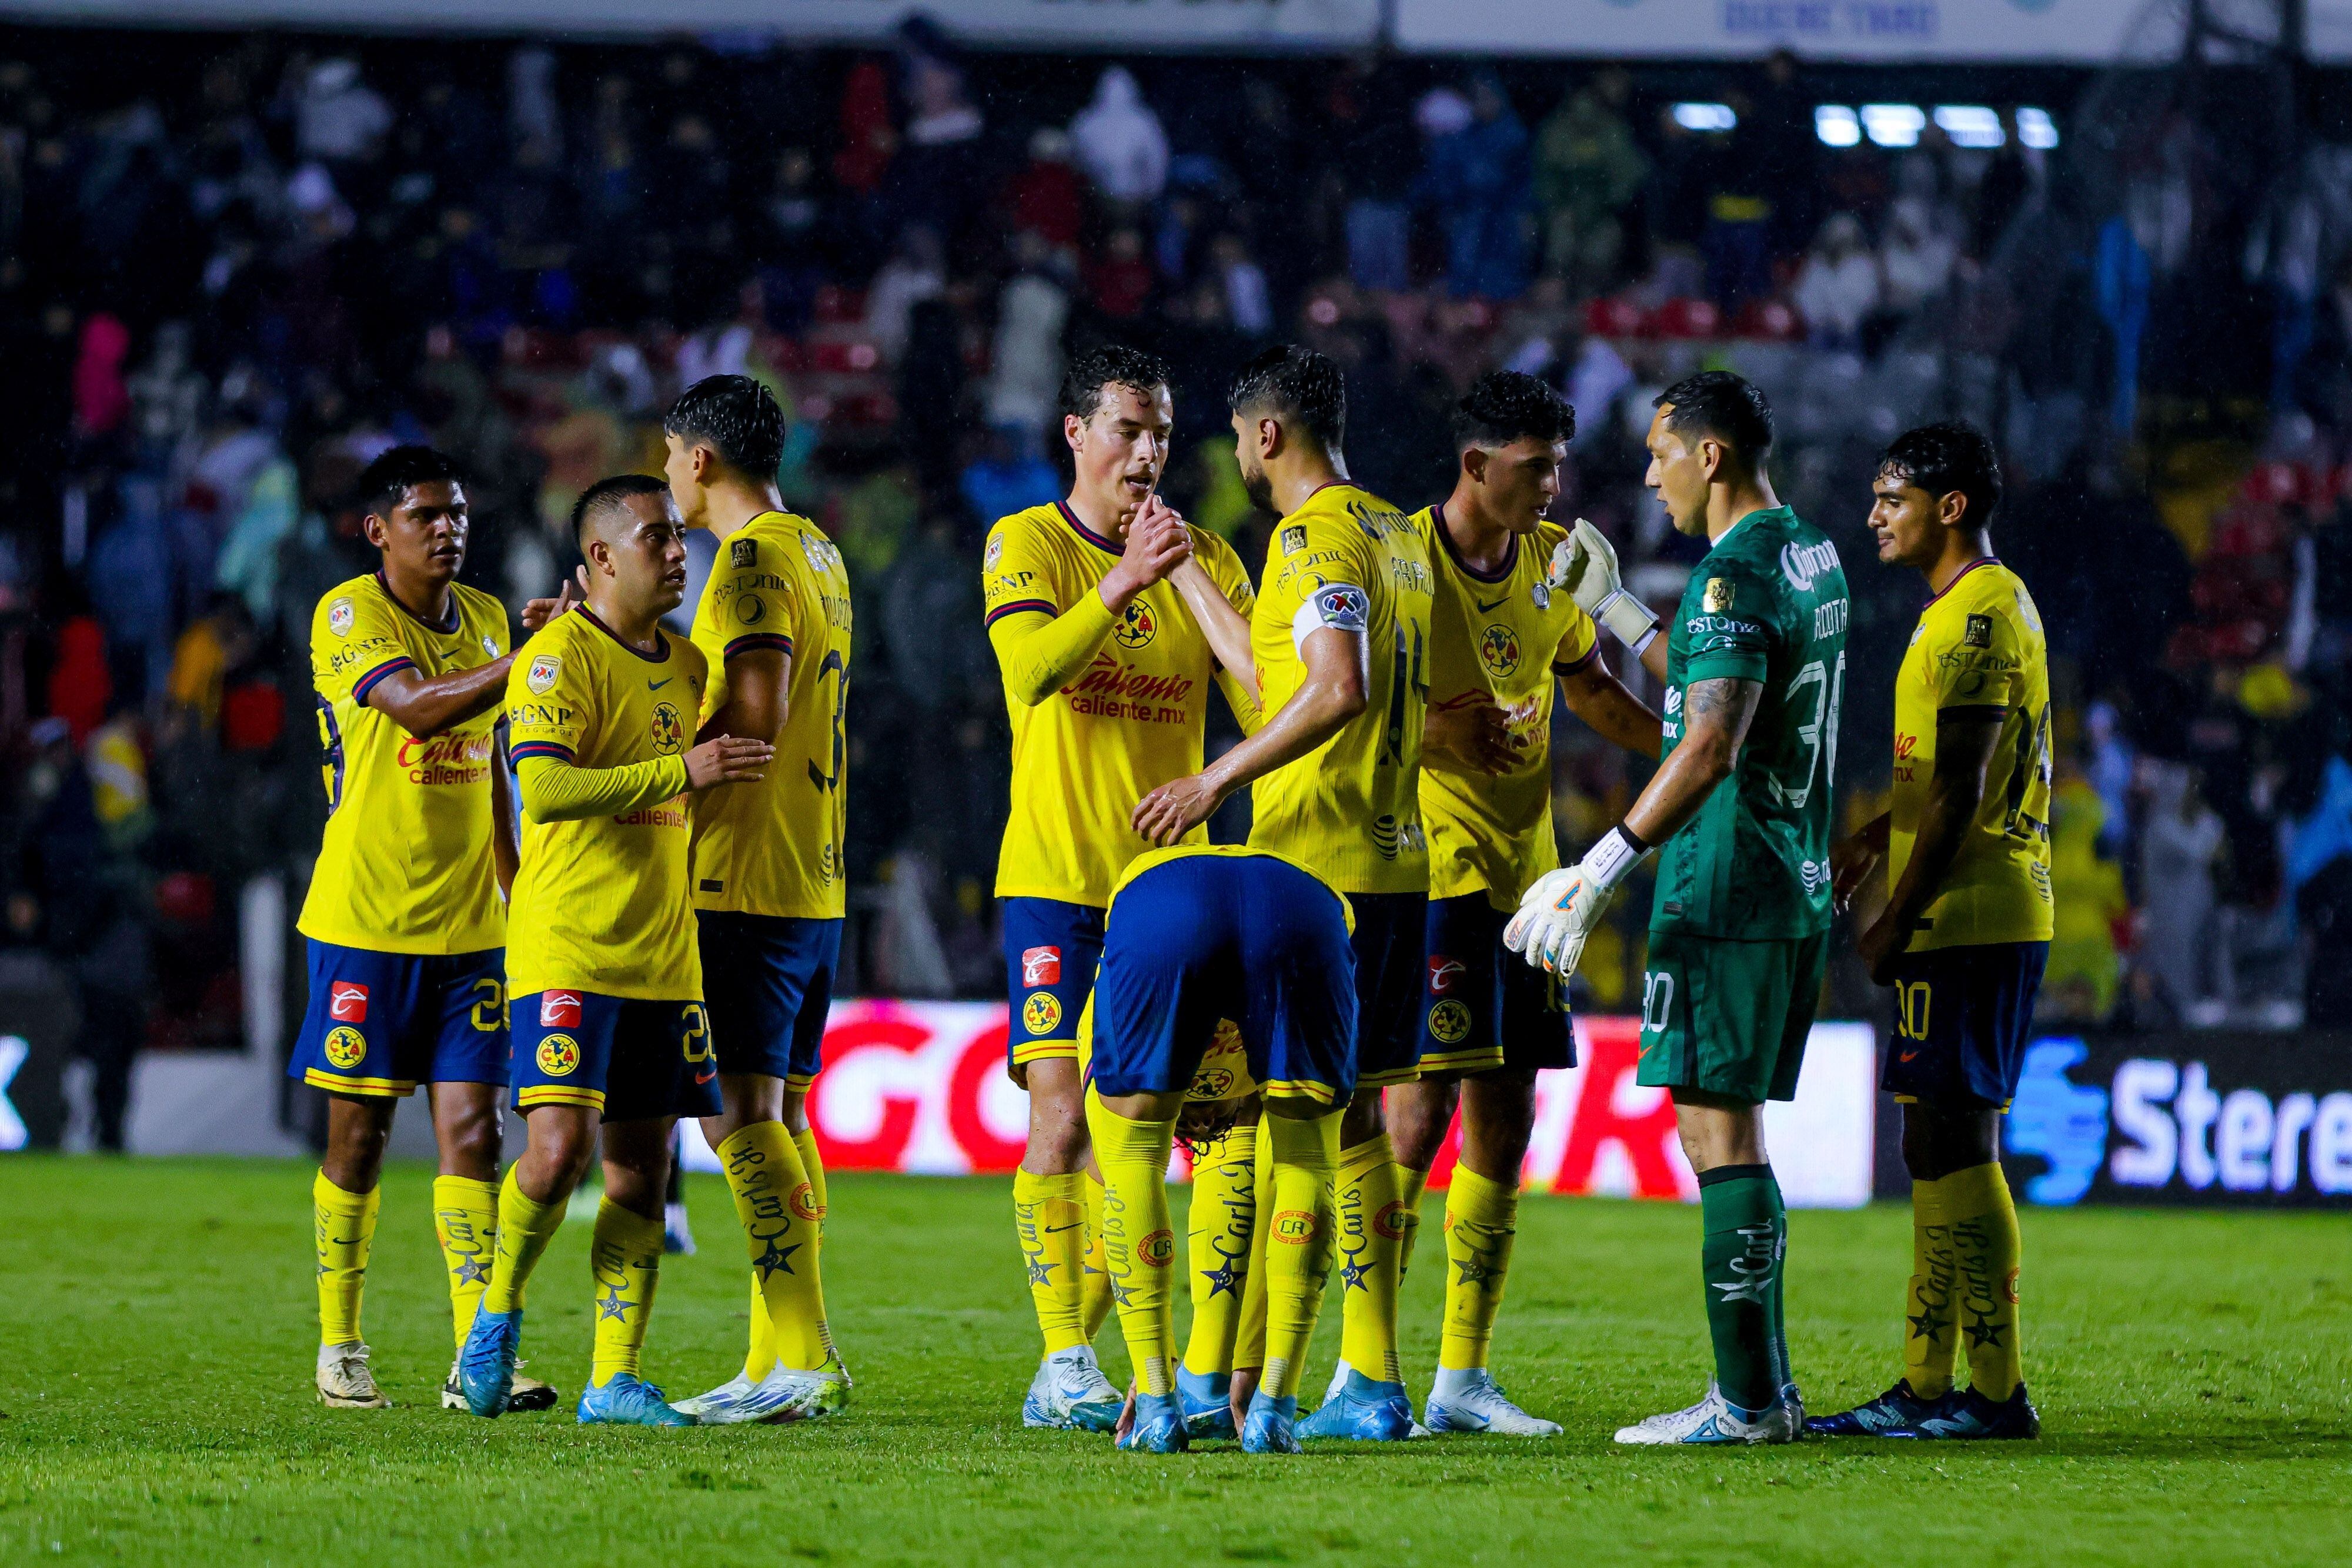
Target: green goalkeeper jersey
pixel 1767 604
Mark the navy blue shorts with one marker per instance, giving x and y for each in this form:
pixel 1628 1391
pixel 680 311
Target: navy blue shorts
pixel 1484 1007
pixel 1961 1018
pixel 1051 950
pixel 1391 939
pixel 628 1060
pixel 382 1023
pixel 1246 937
pixel 767 984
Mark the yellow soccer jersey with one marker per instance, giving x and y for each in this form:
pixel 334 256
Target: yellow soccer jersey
pixel 1979 645
pixel 405 864
pixel 601 905
pixel 1349 808
pixel 1502 637
pixel 775 847
pixel 1129 722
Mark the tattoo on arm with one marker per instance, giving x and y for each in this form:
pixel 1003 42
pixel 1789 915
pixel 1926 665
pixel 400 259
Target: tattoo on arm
pixel 1707 699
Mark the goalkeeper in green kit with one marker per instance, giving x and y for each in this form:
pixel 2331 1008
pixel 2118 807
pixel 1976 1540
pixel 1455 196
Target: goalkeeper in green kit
pixel 1738 813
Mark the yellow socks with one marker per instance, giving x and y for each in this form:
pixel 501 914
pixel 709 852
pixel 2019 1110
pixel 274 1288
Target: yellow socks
pixel 812 1166
pixel 760 1359
pixel 1222 1224
pixel 466 1219
pixel 1411 1185
pixel 525 1228
pixel 1481 1220
pixel 625 1258
pixel 344 1226
pixel 1930 1341
pixel 1299 1242
pixel 1139 1240
pixel 1369 1229
pixel 1049 1215
pixel 777 1205
pixel 1982 1219
pixel 1249 1342
pixel 1093 1283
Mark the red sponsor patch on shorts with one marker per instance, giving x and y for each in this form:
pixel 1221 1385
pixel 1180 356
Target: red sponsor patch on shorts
pixel 1041 966
pixel 347 1001
pixel 1443 971
pixel 559 1009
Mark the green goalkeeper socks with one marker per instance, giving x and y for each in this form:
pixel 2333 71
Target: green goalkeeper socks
pixel 1741 1257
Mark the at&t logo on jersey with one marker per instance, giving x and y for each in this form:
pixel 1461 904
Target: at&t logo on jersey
pixel 1391 836
pixel 347 1001
pixel 1041 966
pixel 559 1009
pixel 543 672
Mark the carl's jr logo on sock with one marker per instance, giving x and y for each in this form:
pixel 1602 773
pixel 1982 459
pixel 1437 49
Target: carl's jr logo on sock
pixel 347 1002
pixel 559 1009
pixel 1041 966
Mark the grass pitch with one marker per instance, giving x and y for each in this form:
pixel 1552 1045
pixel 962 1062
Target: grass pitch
pixel 157 1332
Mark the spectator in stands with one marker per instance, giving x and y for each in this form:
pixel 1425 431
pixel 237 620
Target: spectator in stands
pixel 1248 304
pixel 1120 142
pixel 1119 283
pixel 1915 258
pixel 1026 362
pixel 1480 181
pixel 916 271
pixel 2087 895
pixel 1838 290
pixel 339 119
pixel 1046 197
pixel 1589 172
pixel 1008 475
pixel 2181 845
pixel 1378 160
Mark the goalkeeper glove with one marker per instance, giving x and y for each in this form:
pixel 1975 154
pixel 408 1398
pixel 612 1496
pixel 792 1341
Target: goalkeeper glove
pixel 1586 566
pixel 1558 913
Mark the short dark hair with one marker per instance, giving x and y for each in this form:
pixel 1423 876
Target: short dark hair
pixel 739 418
pixel 1108 365
pixel 1731 408
pixel 1948 455
pixel 610 495
pixel 385 483
pixel 1504 406
pixel 1298 383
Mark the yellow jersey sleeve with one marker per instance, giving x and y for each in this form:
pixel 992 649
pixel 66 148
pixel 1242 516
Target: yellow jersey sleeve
pixel 774 847
pixel 1223 565
pixel 1979 648
pixel 405 864
pixel 1347 561
pixel 600 904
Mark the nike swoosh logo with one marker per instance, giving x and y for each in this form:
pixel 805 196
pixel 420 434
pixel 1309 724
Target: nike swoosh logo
pixel 1907 1056
pixel 706 1077
pixel 1058 1229
pixel 1483 607
pixel 656 685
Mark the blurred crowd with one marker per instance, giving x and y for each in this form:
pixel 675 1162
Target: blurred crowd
pixel 224 290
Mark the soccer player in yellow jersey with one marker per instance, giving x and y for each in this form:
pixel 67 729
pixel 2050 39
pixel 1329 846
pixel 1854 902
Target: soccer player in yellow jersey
pixel 606 982
pixel 1339 649
pixel 1106 677
pixel 1500 642
pixel 1965 933
pixel 405 917
pixel 774 626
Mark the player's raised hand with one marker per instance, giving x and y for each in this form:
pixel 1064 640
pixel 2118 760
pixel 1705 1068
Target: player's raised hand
pixel 538 612
pixel 728 759
pixel 1169 812
pixel 1472 735
pixel 1158 542
pixel 1585 565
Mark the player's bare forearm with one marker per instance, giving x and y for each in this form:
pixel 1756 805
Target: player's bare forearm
pixel 1227 631
pixel 1335 690
pixel 1715 717
pixel 1964 749
pixel 505 853
pixel 1653 658
pixel 425 706
pixel 1595 694
pixel 759 682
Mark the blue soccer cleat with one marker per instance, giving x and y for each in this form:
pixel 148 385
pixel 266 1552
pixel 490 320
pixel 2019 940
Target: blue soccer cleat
pixel 1271 1426
pixel 628 1401
pixel 1971 1417
pixel 1893 1413
pixel 1366 1411
pixel 1159 1425
pixel 1208 1401
pixel 486 1366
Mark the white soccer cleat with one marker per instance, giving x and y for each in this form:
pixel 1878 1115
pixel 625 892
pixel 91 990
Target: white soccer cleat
pixel 708 1409
pixel 344 1381
pixel 1714 1420
pixel 678 1234
pixel 787 1395
pixel 1071 1391
pixel 1468 1401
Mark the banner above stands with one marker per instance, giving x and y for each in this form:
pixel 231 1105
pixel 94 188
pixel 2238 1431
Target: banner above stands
pixel 1232 26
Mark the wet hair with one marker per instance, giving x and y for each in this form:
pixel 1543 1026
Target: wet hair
pixel 385 482
pixel 1108 365
pixel 608 496
pixel 1731 408
pixel 736 417
pixel 1297 384
pixel 1511 405
pixel 1948 455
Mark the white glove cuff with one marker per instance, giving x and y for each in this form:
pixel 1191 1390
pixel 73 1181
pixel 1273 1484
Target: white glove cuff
pixel 1628 618
pixel 1612 858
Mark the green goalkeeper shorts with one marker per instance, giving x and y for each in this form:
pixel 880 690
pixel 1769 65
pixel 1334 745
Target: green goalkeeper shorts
pixel 1728 1017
